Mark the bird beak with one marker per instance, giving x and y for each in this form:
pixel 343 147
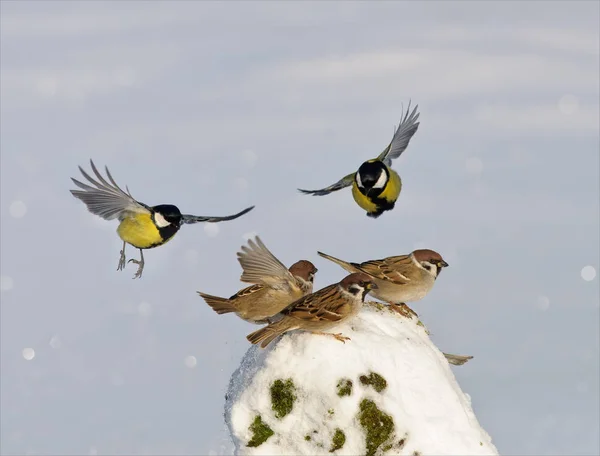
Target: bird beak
pixel 442 264
pixel 372 286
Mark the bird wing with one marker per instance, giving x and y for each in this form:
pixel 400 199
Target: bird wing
pixel 407 128
pixel 247 291
pixel 107 199
pixel 342 183
pixel 187 218
pixel 393 269
pixel 325 305
pixel 261 267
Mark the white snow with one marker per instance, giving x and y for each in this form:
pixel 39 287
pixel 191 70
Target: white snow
pixel 588 273
pixel 190 361
pixel 28 353
pixel 6 283
pixel 431 414
pixel 17 209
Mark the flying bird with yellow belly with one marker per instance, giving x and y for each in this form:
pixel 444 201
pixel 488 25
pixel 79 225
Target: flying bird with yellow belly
pixel 142 226
pixel 376 186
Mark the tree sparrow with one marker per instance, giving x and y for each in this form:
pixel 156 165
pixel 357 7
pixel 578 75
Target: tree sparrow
pixel 400 279
pixel 275 286
pixel 320 311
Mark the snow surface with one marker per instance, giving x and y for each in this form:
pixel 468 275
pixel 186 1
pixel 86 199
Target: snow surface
pixel 431 414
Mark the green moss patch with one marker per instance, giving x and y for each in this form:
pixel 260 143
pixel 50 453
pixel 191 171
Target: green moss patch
pixel 375 380
pixel 344 387
pixel 378 426
pixel 260 432
pixel 307 438
pixel 338 440
pixel 282 397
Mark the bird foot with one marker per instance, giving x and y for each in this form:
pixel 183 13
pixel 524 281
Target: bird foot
pixel 338 336
pixel 140 264
pixel 403 310
pixel 122 261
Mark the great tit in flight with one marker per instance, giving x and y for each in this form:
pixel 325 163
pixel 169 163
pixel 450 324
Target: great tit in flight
pixel 376 186
pixel 140 225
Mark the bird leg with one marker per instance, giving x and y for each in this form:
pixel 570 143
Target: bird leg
pixel 403 310
pixel 338 336
pixel 122 261
pixel 140 264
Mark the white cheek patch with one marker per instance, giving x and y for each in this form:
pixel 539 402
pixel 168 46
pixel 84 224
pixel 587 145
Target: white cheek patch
pixel 160 220
pixel 355 289
pixel 381 181
pixel 431 268
pixel 358 181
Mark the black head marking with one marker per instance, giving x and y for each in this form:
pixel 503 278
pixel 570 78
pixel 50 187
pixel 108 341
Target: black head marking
pixel 370 174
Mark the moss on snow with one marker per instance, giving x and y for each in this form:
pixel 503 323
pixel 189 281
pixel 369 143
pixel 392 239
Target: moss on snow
pixel 344 387
pixel 378 426
pixel 338 440
pixel 282 397
pixel 260 432
pixel 375 380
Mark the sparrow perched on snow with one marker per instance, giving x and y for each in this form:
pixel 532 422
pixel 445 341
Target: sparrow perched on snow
pixel 400 279
pixel 320 311
pixel 275 286
pixel 376 186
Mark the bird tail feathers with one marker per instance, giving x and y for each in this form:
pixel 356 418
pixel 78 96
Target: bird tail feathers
pixel 219 305
pixel 266 335
pixel 347 266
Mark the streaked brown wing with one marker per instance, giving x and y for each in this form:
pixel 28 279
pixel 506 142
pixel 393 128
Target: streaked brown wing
pixel 324 305
pixel 390 269
pixel 248 291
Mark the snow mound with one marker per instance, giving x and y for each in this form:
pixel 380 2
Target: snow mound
pixel 387 391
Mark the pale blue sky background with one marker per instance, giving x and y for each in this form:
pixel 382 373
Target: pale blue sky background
pixel 216 106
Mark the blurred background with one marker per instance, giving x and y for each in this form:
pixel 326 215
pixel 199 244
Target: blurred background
pixel 218 106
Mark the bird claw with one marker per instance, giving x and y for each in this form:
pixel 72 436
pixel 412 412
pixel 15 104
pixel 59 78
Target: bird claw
pixel 338 336
pixel 341 337
pixel 403 310
pixel 122 261
pixel 140 264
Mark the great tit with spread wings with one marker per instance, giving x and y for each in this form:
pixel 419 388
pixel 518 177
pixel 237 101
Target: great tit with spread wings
pixel 141 226
pixel 376 186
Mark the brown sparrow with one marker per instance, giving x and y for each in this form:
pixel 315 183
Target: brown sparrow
pixel 400 279
pixel 275 286
pixel 320 311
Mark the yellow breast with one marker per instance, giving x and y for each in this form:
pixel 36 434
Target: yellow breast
pixel 389 194
pixel 139 231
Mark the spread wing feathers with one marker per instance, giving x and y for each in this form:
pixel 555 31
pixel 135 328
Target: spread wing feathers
pixel 342 183
pixel 261 267
pixel 106 199
pixel 187 218
pixel 326 305
pixel 395 269
pixel 407 128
